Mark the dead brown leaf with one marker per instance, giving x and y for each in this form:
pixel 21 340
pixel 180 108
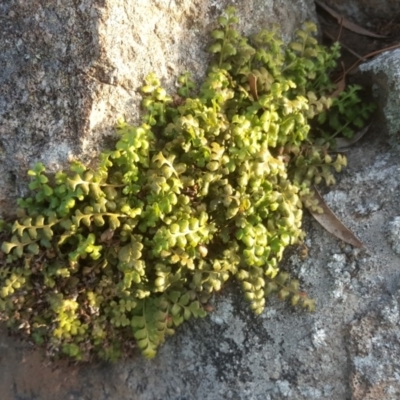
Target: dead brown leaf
pixel 342 144
pixel 253 86
pixel 351 26
pixel 330 222
pixel 340 86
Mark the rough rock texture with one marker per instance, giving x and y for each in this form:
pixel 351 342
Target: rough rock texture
pixel 348 349
pixel 62 86
pixel 384 72
pixel 375 360
pixel 394 234
pixel 69 70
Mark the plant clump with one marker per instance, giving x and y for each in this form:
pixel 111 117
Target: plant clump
pixel 209 187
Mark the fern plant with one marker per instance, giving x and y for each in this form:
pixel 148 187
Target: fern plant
pixel 210 187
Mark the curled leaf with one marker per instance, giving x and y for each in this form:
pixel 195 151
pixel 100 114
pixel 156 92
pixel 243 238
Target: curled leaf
pixel 329 221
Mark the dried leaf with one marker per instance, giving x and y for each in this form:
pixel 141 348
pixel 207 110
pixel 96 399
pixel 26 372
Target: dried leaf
pixel 253 86
pixel 107 235
pixel 351 26
pixel 340 87
pixel 342 143
pixel 329 221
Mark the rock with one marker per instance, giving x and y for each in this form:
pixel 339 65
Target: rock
pixel 383 72
pixel 68 72
pixel 349 348
pixel 375 360
pixel 394 234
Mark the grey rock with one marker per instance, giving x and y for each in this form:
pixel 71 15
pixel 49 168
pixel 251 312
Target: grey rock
pixel 64 84
pixel 68 71
pixel 374 356
pixel 394 234
pixel 383 71
pixel 348 349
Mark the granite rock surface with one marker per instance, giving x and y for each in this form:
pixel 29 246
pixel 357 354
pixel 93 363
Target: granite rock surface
pixel 67 71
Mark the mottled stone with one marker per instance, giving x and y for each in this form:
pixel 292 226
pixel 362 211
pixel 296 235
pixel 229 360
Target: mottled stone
pixel 375 353
pixel 393 234
pixel 68 71
pixel 347 349
pixel 383 73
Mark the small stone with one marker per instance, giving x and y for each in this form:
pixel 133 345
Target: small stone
pixel 393 235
